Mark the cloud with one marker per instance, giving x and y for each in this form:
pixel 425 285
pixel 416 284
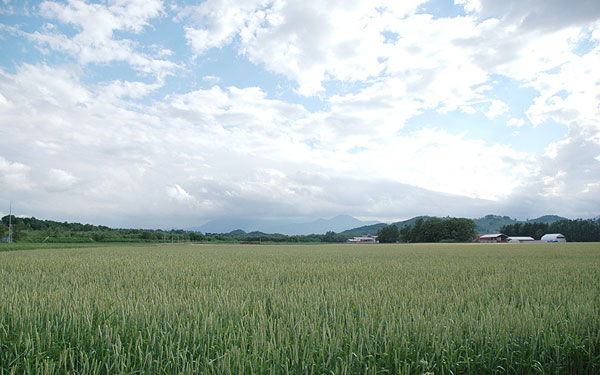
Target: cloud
pixel 516 122
pixel 219 21
pixel 13 176
pixel 496 108
pixel 229 149
pixel 95 25
pixel 126 152
pixel 569 94
pixel 309 42
pixel 536 14
pixel 178 193
pixel 60 180
pixel 211 79
pixel 566 180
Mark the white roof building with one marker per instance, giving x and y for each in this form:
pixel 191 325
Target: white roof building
pixel 363 239
pixel 519 239
pixel 554 237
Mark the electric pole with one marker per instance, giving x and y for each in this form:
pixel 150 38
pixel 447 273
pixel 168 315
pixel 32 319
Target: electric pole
pixel 10 223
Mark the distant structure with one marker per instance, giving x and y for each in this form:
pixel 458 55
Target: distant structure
pixel 492 238
pixel 363 239
pixel 500 237
pixel 10 235
pixel 554 237
pixel 520 239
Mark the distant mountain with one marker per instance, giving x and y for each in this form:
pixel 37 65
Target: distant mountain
pixel 337 224
pixel 411 222
pixel 237 233
pixel 486 224
pixel 492 223
pixel 373 229
pixel 365 229
pixel 240 233
pixel 227 225
pixel 346 224
pixel 548 219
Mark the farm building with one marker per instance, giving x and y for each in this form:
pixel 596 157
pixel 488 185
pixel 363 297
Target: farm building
pixel 554 237
pixel 520 239
pixel 363 239
pixel 492 238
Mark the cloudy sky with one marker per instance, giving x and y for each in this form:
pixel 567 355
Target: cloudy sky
pixel 150 113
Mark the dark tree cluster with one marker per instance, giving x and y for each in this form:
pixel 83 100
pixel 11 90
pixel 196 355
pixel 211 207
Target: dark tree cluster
pixel 30 229
pixel 260 237
pixel 389 234
pixel 436 229
pixel 331 236
pixel 575 230
pixel 35 230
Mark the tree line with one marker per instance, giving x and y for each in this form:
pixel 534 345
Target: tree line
pixel 30 229
pixel 433 229
pixel 575 230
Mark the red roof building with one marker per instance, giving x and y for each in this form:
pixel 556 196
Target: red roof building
pixel 492 238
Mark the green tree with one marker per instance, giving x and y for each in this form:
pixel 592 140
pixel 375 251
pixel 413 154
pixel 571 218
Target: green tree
pixel 464 229
pixel 3 230
pixel 146 235
pixel 434 230
pixel 197 237
pixel 405 233
pixel 329 237
pixel 389 234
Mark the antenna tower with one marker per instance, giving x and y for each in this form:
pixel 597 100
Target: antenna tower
pixel 10 223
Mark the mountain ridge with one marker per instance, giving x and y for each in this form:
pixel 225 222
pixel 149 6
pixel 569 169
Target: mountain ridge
pixel 336 224
pixel 486 224
pixel 342 224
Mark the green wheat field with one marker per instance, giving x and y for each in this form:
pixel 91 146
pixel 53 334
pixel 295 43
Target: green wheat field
pixel 310 309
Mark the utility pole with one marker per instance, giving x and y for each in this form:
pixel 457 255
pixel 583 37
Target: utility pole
pixel 10 223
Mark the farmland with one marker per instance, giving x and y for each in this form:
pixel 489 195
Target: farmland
pixel 301 309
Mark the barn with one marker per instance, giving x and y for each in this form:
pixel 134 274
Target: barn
pixel 520 239
pixel 363 239
pixel 492 238
pixel 554 237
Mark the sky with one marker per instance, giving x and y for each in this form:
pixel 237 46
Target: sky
pixel 164 113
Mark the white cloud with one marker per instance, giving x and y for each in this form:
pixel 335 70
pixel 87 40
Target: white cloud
pixel 516 122
pixel 193 153
pixel 220 21
pixel 13 176
pixel 234 150
pixel 60 180
pixel 496 108
pixel 569 94
pixel 566 178
pixel 124 89
pixel 536 14
pixel 211 79
pixel 3 101
pixel 50 147
pixel 308 42
pixel 96 24
pixel 470 5
pixel 179 194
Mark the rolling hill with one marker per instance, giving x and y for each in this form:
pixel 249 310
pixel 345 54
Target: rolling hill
pixel 486 224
